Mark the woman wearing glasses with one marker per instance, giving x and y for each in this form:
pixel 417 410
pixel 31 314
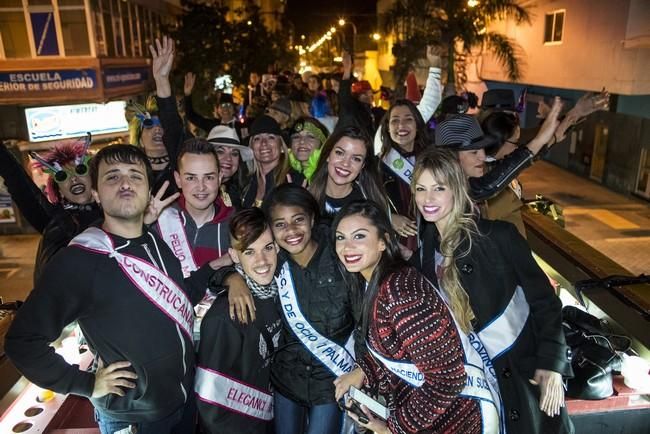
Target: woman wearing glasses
pixel 67 206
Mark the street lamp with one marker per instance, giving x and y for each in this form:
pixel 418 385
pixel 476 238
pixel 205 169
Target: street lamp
pixel 376 36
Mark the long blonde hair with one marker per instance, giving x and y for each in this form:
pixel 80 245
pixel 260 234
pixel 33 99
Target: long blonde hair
pixel 460 228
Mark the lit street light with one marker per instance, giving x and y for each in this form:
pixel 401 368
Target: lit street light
pixel 376 36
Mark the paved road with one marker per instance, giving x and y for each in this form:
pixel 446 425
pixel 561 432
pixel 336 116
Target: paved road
pixel 616 225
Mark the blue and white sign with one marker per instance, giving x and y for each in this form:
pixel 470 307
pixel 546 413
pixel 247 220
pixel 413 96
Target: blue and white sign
pixel 39 81
pixel 67 121
pixel 117 77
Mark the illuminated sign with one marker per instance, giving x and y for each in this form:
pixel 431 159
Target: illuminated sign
pixel 38 81
pixel 67 121
pixel 116 77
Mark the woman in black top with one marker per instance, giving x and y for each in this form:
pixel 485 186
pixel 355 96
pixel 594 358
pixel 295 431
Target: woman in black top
pixel 317 317
pixel 347 171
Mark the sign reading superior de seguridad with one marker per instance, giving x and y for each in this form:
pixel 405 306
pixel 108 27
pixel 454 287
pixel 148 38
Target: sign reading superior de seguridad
pixel 39 81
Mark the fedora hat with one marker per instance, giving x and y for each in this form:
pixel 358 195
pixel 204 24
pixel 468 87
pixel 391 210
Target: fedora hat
pixel 462 133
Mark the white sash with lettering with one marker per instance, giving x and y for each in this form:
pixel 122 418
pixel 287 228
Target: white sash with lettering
pixel 218 389
pixel 335 357
pixel 172 231
pixel 502 332
pixel 158 287
pixel 399 165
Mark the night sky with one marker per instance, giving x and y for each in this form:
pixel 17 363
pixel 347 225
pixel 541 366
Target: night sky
pixel 316 16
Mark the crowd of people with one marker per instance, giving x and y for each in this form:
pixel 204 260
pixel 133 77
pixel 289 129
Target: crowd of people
pixel 251 277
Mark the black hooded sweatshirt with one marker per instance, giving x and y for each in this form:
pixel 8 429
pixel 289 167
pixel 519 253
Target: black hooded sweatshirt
pixel 119 323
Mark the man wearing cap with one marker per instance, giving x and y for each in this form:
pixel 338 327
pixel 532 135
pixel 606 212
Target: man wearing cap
pixel 231 155
pixel 224 110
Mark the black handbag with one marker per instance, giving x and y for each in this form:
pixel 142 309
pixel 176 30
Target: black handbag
pixel 595 354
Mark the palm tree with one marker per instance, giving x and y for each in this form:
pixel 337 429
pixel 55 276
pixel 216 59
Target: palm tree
pixel 455 26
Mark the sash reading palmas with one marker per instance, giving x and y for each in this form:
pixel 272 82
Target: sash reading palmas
pixel 399 165
pixel 172 231
pixel 335 357
pixel 158 287
pixel 221 390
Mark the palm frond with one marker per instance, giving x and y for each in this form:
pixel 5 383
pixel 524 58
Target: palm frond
pixel 506 9
pixel 506 52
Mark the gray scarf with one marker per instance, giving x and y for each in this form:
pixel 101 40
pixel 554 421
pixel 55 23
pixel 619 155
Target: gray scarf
pixel 261 292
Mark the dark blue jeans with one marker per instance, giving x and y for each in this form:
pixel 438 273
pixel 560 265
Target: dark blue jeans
pixel 293 418
pixel 182 421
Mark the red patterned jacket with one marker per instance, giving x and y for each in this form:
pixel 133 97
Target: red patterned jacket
pixel 411 322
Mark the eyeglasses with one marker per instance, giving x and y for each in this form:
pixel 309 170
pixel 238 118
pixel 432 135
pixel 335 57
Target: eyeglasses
pixel 150 123
pixel 79 170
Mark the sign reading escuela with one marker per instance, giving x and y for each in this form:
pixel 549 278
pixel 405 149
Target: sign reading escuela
pixel 40 81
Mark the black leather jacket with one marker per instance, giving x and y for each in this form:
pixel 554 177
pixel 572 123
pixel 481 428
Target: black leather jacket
pixel 502 173
pixel 325 300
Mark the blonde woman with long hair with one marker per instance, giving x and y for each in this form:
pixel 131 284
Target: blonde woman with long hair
pixel 504 307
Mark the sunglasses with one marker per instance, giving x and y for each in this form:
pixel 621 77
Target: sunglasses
pixel 150 123
pixel 79 170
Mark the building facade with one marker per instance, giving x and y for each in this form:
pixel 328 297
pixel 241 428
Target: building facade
pixel 574 46
pixel 70 66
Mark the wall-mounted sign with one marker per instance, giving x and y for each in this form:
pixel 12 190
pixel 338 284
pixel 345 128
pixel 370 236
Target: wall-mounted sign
pixel 66 121
pixel 116 77
pixel 39 81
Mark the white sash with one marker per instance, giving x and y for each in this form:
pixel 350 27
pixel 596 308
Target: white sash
pixel 399 165
pixel 218 389
pixel 158 287
pixel 502 332
pixel 172 231
pixel 335 357
pixel 405 370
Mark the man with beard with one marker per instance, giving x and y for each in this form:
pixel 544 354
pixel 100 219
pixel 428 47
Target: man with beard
pixel 67 206
pixel 126 290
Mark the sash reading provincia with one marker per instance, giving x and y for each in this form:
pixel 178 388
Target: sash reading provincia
pixel 172 231
pixel 218 389
pixel 399 165
pixel 335 357
pixel 155 285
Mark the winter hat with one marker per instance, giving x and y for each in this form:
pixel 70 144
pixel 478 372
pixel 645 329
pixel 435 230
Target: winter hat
pixel 283 105
pixel 265 124
pixel 361 86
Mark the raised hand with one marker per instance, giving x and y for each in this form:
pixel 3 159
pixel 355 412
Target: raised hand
pixel 589 103
pixel 188 85
pixel 157 204
pixel 432 56
pixel 163 57
pixel 347 64
pixel 547 130
pixel 112 378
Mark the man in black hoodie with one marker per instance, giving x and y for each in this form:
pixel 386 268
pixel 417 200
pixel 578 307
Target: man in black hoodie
pixel 125 288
